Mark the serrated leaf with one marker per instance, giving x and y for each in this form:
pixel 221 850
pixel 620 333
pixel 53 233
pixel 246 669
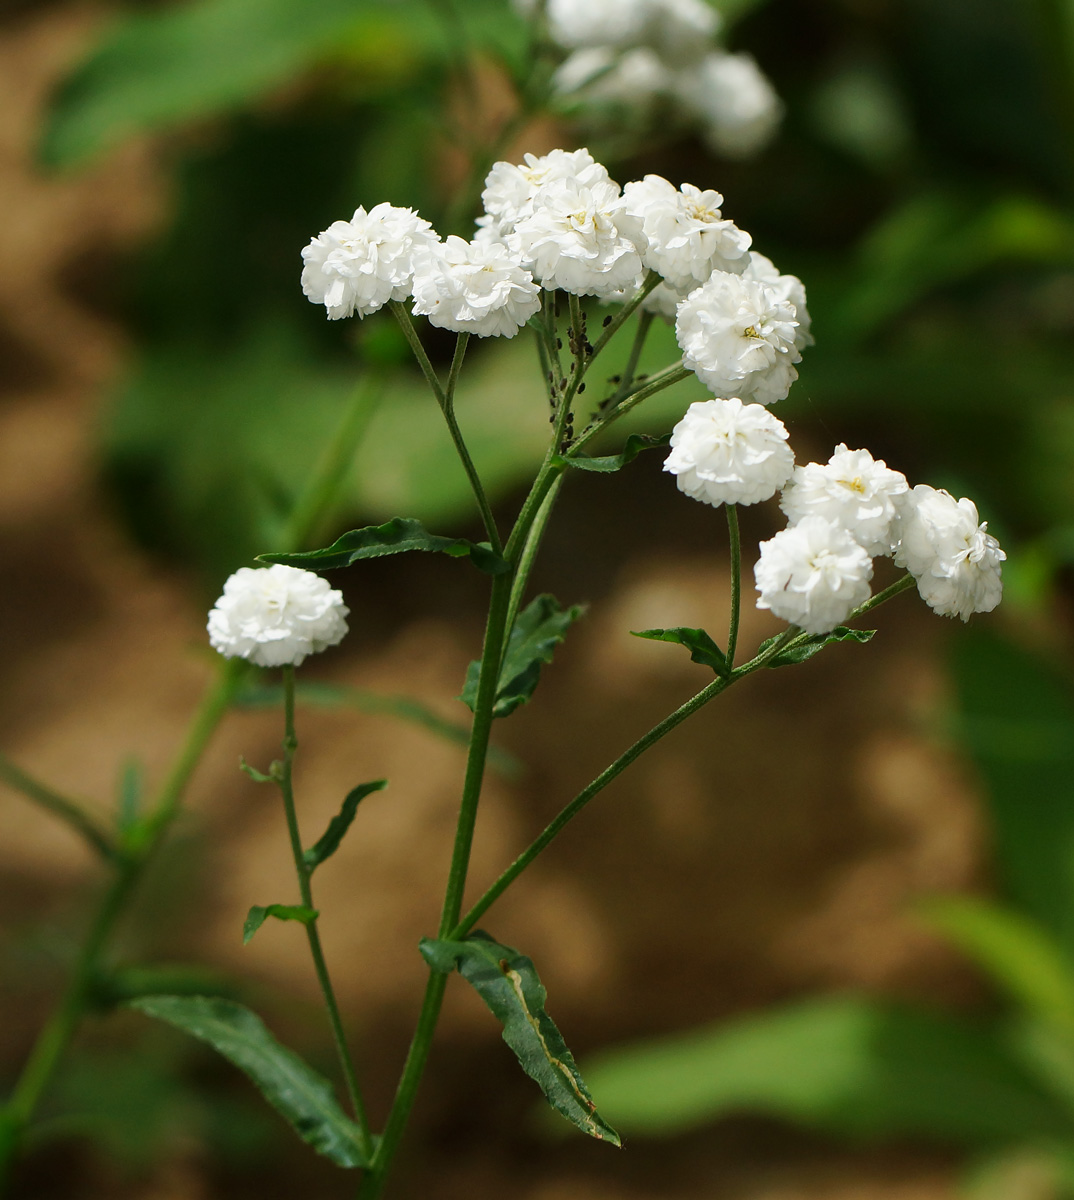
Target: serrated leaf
pixel 328 843
pixel 396 536
pixel 702 648
pixel 259 914
pixel 537 631
pixel 804 650
pixel 635 444
pixel 298 1093
pixel 1020 955
pixel 848 1065
pixel 509 986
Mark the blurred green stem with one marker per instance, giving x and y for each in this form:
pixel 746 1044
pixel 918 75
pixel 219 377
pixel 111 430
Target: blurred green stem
pixel 71 812
pixel 736 582
pixel 302 871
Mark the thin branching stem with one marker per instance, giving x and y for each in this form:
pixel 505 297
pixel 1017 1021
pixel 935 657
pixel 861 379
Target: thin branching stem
pixel 71 812
pixel 736 581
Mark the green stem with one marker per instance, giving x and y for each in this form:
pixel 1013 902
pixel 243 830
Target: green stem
pixel 69 811
pixel 446 400
pixel 656 383
pixel 645 323
pixel 736 581
pixel 418 1054
pixel 529 550
pixel 290 744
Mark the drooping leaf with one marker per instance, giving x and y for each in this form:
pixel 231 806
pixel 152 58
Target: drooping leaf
pixel 702 648
pixel 396 536
pixel 328 843
pixel 635 444
pixel 259 914
pixel 1021 956
pixel 537 631
pixel 803 651
pixel 1017 722
pixel 848 1065
pixel 509 986
pixel 297 1092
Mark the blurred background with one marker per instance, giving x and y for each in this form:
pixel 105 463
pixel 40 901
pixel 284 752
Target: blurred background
pixel 842 900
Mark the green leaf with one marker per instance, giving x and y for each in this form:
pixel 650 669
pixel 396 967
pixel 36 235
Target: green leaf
pixel 155 69
pixel 298 1093
pixel 800 652
pixel 260 776
pixel 848 1065
pixel 396 536
pixel 257 916
pixel 537 631
pixel 1017 721
pixel 702 648
pixel 635 444
pixel 1021 956
pixel 508 984
pixel 328 843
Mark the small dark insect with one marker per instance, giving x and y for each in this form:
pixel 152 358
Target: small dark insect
pixel 607 321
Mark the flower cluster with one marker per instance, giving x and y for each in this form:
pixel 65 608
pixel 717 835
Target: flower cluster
pixel 276 616
pixel 633 56
pixel 841 515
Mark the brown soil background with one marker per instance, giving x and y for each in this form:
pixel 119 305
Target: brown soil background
pixel 770 849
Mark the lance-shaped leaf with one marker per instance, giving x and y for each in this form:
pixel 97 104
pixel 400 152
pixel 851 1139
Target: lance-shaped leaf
pixel 297 1092
pixel 702 648
pixel 508 984
pixel 635 444
pixel 259 914
pixel 328 843
pixel 802 651
pixel 537 631
pixel 396 536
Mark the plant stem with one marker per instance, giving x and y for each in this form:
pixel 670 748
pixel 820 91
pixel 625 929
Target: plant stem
pixel 656 383
pixel 736 581
pixel 418 1054
pixel 290 744
pixel 69 811
pixel 530 547
pixel 446 400
pixel 645 323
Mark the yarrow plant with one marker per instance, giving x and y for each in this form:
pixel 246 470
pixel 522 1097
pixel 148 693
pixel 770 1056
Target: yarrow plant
pixel 558 238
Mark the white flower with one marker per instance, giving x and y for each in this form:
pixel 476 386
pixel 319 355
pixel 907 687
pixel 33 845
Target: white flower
pixel 682 30
pixel 600 75
pixel 813 575
pixel 738 336
pixel 736 104
pixel 510 188
pixel 786 287
pixel 955 561
pixel 598 22
pixel 853 490
pixel 579 237
pixel 474 287
pixel 727 452
pixel 357 266
pixel 276 616
pixel 688 238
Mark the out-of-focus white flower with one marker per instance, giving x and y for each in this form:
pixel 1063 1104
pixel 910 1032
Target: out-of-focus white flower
pixel 853 490
pixel 276 616
pixel 510 187
pixel 598 22
pixel 688 236
pixel 579 237
pixel 599 75
pixel 727 452
pixel 682 30
pixel 813 574
pixel 357 266
pixel 953 557
pixel 738 336
pixel 736 104
pixel 474 287
pixel 786 287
